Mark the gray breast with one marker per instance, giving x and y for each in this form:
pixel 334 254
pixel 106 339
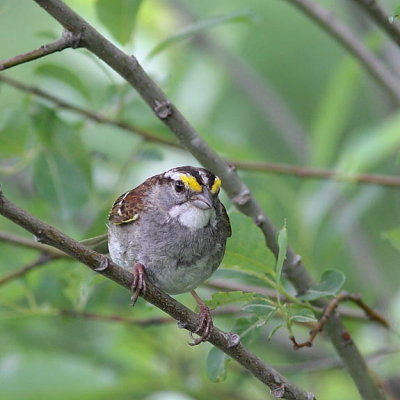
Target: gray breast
pixel 176 258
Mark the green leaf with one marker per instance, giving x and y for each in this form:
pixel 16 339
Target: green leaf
pixel 217 361
pixel 203 26
pixel 43 121
pixel 78 286
pixel 393 236
pixel 13 133
pixel 282 243
pixel 330 123
pixel 119 17
pixel 57 136
pixel 263 311
pixel 373 147
pixel 61 183
pixel 244 276
pixel 273 331
pixel 304 315
pixel 331 283
pixel 246 328
pixel 222 298
pixel 396 13
pixel 65 76
pixel 246 248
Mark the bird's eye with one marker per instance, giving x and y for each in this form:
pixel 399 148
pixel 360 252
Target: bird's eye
pixel 179 186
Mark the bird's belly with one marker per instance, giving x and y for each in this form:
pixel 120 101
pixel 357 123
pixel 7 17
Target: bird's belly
pixel 182 278
pixel 177 261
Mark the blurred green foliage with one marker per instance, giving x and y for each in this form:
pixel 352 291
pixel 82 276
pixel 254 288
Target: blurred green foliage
pixel 67 170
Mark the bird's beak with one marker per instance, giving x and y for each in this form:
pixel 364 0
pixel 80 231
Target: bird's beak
pixel 203 200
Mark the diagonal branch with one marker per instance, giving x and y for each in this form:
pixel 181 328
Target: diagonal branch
pixel 341 33
pixel 317 366
pixel 41 260
pixel 319 173
pixel 378 14
pixel 277 168
pixel 216 284
pixel 130 69
pixel 228 343
pixel 66 40
pixel 32 244
pixel 331 308
pixel 142 322
pixel 89 114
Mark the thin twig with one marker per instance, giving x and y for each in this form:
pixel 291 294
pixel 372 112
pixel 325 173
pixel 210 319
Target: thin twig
pixel 315 173
pixel 143 322
pixel 29 243
pixel 101 264
pixel 278 168
pixel 378 14
pixel 130 69
pixel 330 309
pixel 67 40
pixel 369 312
pixel 213 284
pixel 40 261
pixel 224 285
pixel 329 22
pixel 330 363
pixel 89 114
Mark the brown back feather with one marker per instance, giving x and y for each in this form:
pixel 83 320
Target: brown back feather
pixel 128 206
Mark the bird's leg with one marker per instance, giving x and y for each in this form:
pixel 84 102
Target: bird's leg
pixel 205 325
pixel 139 282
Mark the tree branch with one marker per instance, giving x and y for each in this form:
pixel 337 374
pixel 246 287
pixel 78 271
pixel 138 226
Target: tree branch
pixel 41 260
pixel 329 22
pixel 224 285
pixel 32 244
pixel 228 343
pixel 215 284
pixel 130 69
pixel 89 114
pixel 142 322
pixel 66 40
pixel 330 363
pixel 331 308
pixel 278 168
pixel 315 173
pixel 378 14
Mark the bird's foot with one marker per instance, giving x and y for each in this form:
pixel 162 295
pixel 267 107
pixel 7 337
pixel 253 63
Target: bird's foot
pixel 139 282
pixel 205 324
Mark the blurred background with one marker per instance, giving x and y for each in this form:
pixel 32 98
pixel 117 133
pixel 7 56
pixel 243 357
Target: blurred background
pixel 262 84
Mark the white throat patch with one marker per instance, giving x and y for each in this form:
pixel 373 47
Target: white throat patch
pixel 191 216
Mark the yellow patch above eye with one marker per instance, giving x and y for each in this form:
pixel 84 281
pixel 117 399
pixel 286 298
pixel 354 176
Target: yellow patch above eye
pixel 216 185
pixel 191 182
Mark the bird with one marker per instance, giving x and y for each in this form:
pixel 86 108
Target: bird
pixel 171 230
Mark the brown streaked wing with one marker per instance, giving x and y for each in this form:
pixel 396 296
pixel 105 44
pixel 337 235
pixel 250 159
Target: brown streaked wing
pixel 128 206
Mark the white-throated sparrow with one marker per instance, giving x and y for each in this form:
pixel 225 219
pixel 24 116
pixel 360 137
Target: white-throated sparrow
pixel 171 229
